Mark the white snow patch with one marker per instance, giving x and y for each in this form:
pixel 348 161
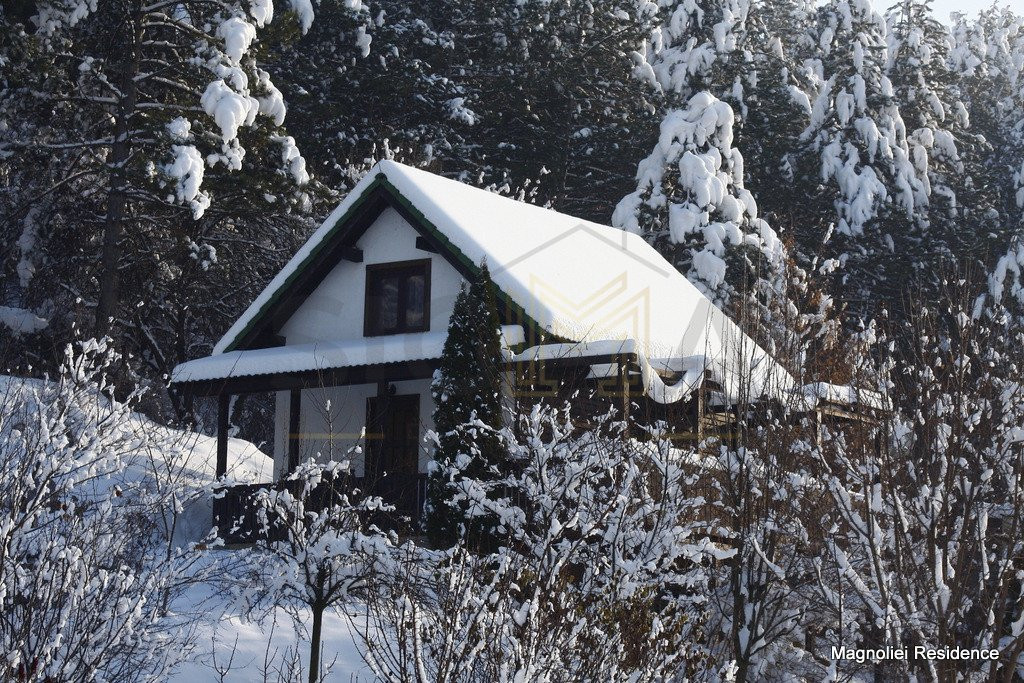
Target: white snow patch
pixel 272 104
pixel 304 9
pixel 179 128
pixel 224 631
pixel 229 109
pixel 238 35
pixel 392 348
pixel 262 11
pixel 192 458
pixel 187 170
pixel 21 320
pixel 292 158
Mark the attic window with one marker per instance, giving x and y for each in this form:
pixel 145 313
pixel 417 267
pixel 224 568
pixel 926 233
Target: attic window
pixel 397 298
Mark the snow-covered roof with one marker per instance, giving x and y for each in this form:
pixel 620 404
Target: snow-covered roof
pixel 327 355
pixel 810 395
pixel 576 279
pixel 312 357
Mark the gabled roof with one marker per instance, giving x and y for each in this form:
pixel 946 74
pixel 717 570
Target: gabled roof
pixel 575 279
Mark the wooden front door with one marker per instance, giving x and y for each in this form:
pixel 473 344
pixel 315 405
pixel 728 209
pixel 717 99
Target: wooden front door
pixel 392 445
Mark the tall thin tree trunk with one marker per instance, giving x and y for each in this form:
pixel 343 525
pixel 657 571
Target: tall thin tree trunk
pixel 117 197
pixel 314 644
pixel 739 613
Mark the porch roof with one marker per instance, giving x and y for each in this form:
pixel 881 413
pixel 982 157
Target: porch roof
pixel 310 357
pixel 346 361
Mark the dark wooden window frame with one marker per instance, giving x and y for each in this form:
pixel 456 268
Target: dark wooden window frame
pixel 369 327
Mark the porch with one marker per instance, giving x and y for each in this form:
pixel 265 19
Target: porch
pixel 383 432
pixel 592 377
pixel 234 506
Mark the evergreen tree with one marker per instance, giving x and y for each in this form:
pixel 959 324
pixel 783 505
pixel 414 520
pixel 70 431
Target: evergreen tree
pixel 938 133
pixel 502 95
pixel 555 97
pixel 690 200
pixel 149 169
pixel 987 59
pixel 467 393
pixel 992 52
pixel 342 94
pixel 856 156
pixel 773 107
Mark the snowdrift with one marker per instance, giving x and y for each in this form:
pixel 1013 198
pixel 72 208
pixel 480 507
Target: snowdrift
pixel 188 458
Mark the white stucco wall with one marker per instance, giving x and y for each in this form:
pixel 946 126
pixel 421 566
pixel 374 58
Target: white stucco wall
pixel 334 311
pixel 337 433
pixel 335 308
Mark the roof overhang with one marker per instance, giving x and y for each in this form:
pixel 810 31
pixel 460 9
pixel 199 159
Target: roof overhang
pixel 331 363
pixel 326 377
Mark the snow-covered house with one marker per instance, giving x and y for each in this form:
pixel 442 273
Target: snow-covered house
pixel 349 334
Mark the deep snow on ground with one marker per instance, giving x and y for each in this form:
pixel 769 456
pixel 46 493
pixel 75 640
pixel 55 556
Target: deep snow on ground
pixel 184 457
pixel 248 648
pixel 246 464
pixel 223 634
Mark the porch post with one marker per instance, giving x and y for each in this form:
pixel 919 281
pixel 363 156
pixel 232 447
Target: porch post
pixel 624 388
pixel 223 403
pixel 700 412
pixel 294 414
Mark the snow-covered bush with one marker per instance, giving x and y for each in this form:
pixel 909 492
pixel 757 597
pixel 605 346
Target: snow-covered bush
pixel 86 567
pixel 927 505
pixel 599 574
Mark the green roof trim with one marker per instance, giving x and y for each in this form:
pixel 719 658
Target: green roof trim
pixel 276 296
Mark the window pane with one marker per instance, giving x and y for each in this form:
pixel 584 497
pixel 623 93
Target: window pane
pixel 397 298
pixel 414 301
pixel 387 303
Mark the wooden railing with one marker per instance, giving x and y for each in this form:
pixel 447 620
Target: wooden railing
pixel 234 507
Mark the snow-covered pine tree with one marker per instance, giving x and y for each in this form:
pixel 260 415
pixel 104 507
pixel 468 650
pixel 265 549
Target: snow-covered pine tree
pixel 468 399
pixel 771 103
pixel 342 93
pixel 690 200
pixel 937 130
pixel 855 153
pixel 555 97
pixel 496 94
pixel 988 60
pixel 784 310
pixel 166 163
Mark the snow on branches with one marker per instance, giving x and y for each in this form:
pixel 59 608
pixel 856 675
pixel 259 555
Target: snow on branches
pixel 690 196
pixel 314 547
pixel 591 525
pixel 926 504
pixel 855 123
pixel 87 568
